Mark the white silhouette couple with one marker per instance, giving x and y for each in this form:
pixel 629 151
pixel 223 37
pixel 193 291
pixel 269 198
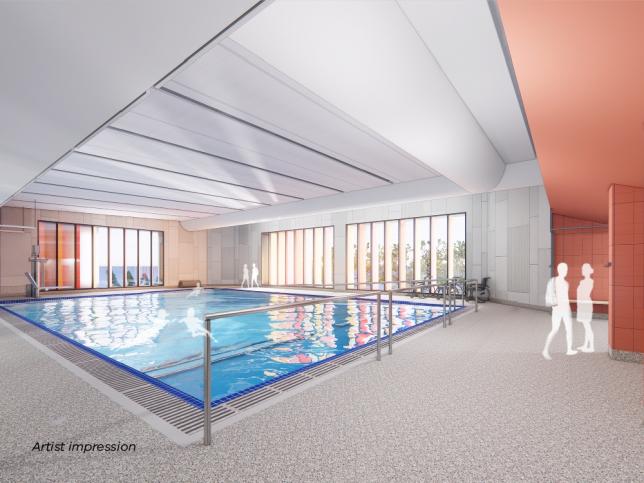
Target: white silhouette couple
pixel 254 276
pixel 557 298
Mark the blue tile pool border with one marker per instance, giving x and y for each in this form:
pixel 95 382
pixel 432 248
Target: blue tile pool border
pixel 196 402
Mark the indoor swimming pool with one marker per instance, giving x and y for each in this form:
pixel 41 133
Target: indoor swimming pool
pixel 159 335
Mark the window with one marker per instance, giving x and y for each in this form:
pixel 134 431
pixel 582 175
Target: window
pixel 100 257
pixel 157 258
pixel 47 241
pixel 145 254
pixel 456 253
pixel 66 256
pixel 352 256
pixel 85 256
pixel 301 257
pixel 131 257
pixel 405 250
pixel 378 254
pixel 439 247
pixel 116 257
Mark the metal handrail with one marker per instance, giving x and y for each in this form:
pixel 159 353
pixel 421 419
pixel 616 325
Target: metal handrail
pixel 448 294
pixel 208 318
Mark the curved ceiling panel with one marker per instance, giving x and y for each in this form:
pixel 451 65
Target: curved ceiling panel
pixel 367 59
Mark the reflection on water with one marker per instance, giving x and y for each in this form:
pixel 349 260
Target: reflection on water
pixel 161 333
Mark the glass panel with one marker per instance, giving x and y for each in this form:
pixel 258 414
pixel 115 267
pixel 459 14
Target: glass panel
pixel 364 255
pixel 290 257
pixel 456 254
pixel 391 252
pixel 308 256
pixel 406 250
pixel 352 256
pixel 116 257
pixel 378 253
pixel 281 255
pixel 318 254
pixel 272 277
pixel 144 257
pixel 66 255
pixel 131 257
pixel 100 257
pixel 439 247
pixel 422 256
pixel 328 256
pixel 265 258
pixel 83 256
pixel 47 242
pixel 299 257
pixel 157 258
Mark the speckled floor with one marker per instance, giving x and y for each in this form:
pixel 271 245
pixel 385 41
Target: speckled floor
pixel 474 402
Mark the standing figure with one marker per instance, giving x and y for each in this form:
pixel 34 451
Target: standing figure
pixel 254 276
pixel 245 276
pixel 585 307
pixel 560 309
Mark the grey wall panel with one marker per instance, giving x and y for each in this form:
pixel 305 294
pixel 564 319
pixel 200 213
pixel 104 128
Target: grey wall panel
pixel 519 259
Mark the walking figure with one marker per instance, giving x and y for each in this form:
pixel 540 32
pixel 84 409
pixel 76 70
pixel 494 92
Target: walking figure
pixel 254 276
pixel 245 276
pixel 557 298
pixel 585 307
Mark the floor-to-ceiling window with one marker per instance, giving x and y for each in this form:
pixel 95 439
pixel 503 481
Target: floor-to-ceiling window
pixel 84 256
pixel 404 250
pixel 116 257
pixel 47 241
pixel 131 257
pixel 145 252
pixel 352 256
pixel 302 257
pixel 66 256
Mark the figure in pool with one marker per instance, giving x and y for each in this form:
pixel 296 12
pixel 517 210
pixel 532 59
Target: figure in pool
pixel 557 298
pixel 585 307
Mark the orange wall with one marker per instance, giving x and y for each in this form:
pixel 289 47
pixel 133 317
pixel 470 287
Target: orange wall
pixel 576 247
pixel 626 275
pixel 580 70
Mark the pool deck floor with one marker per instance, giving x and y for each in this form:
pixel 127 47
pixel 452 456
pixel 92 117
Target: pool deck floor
pixel 473 402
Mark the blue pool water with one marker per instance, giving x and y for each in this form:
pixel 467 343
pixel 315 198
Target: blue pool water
pixel 160 333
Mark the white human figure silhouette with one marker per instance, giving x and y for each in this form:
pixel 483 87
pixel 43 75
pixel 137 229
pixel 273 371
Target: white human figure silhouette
pixel 195 292
pixel 560 311
pixel 585 307
pixel 254 275
pixel 245 276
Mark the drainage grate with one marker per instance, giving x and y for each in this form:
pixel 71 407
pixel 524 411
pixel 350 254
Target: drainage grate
pixel 172 409
pixel 248 400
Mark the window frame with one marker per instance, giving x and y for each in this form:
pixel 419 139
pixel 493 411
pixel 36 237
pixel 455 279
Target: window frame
pixel 108 227
pixel 413 222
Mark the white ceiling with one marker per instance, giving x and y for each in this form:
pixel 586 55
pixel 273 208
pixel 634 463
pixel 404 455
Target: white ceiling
pixel 300 103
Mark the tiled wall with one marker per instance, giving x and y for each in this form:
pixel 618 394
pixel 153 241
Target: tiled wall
pixel 185 254
pixel 508 239
pixel 626 275
pixel 578 246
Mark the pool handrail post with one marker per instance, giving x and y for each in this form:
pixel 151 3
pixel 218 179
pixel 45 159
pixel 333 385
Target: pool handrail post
pixel 378 325
pixel 207 432
pixel 450 298
pixel 391 323
pixel 476 296
pixel 444 306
